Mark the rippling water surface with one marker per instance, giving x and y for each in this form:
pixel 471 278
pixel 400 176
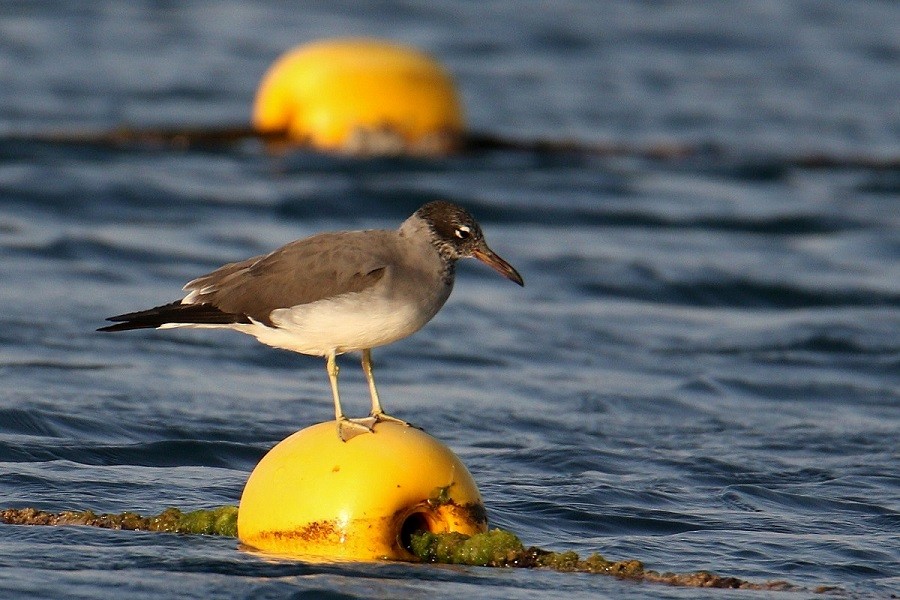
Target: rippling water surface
pixel 701 372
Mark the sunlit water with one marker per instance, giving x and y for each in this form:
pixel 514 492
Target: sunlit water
pixel 701 372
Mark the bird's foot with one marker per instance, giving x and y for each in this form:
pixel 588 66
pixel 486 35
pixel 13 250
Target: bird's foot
pixel 350 428
pixel 381 417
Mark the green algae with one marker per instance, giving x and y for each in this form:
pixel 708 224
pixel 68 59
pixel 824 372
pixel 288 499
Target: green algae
pixel 494 548
pixel 217 521
pixel 499 548
pixel 440 496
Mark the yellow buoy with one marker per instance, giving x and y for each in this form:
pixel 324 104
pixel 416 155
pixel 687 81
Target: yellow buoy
pixel 314 496
pixel 360 96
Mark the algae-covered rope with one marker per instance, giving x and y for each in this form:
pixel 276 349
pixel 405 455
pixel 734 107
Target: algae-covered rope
pixel 495 548
pixel 218 521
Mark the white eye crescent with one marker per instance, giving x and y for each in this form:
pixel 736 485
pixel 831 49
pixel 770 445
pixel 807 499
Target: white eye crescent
pixel 462 232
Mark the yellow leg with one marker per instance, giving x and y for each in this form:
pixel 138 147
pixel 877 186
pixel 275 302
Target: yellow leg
pixel 331 366
pixel 377 411
pixel 347 428
pixel 367 369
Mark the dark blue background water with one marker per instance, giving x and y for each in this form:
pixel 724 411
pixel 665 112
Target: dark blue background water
pixel 701 372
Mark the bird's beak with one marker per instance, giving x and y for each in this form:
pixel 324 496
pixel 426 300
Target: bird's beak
pixel 487 256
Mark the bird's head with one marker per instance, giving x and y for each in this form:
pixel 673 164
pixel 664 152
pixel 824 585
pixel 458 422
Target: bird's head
pixel 457 235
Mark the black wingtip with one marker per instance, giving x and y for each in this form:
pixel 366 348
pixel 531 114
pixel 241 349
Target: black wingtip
pixel 173 313
pixel 120 327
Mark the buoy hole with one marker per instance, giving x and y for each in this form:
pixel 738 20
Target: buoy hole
pixel 414 523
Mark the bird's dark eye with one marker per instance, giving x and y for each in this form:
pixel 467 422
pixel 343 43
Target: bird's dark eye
pixel 463 232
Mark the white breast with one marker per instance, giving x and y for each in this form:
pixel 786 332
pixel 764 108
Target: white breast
pixel 381 315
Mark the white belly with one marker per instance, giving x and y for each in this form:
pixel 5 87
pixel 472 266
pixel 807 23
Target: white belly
pixel 344 324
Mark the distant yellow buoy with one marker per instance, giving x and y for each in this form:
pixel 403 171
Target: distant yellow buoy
pixel 360 96
pixel 313 496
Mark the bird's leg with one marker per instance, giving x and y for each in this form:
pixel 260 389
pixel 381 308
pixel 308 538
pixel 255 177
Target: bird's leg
pixel 377 412
pixel 331 366
pixel 367 369
pixel 347 428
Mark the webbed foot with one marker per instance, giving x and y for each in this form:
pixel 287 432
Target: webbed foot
pixel 350 428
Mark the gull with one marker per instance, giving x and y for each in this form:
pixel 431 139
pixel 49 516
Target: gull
pixel 335 292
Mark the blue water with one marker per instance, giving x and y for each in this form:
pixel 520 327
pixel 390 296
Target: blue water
pixel 701 372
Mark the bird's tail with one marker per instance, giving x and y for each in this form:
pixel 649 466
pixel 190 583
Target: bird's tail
pixel 174 314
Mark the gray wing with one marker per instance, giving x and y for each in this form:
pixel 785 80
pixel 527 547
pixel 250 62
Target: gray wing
pixel 301 272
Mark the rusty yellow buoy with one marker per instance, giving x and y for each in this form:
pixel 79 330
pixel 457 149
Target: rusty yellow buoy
pixel 316 497
pixel 360 96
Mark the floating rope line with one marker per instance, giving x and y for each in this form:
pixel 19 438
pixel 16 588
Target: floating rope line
pixel 218 521
pixel 218 137
pixel 496 548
